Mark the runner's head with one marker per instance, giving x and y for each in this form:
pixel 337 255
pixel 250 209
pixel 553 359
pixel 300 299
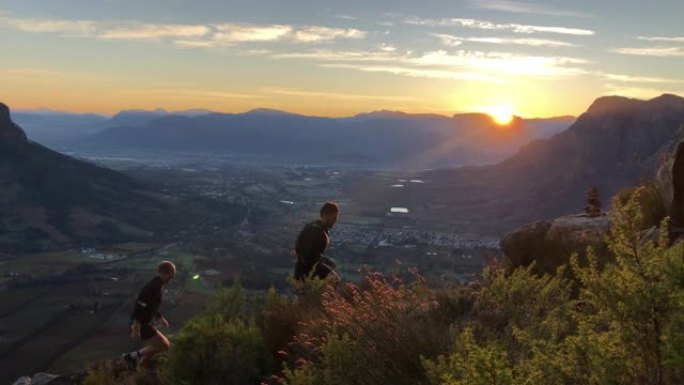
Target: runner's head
pixel 329 213
pixel 167 271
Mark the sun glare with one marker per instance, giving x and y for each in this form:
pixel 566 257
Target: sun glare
pixel 502 115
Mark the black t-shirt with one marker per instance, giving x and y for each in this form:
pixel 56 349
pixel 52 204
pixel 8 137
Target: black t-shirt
pixel 147 304
pixel 311 243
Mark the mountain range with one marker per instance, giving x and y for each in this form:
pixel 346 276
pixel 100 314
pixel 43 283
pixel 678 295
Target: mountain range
pixel 617 142
pixel 378 139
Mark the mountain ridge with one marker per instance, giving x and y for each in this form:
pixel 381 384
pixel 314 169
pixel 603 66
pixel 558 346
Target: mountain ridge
pixel 384 138
pixel 618 142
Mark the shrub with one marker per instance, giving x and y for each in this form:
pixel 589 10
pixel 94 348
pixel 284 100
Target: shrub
pixel 471 364
pixel 210 350
pixel 650 202
pixel 384 324
pixel 630 306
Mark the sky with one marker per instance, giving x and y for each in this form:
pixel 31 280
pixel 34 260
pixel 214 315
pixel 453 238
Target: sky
pixel 338 58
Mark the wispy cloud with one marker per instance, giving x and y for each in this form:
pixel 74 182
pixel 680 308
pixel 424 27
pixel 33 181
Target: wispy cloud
pixel 454 41
pixel 183 35
pixel 384 47
pixel 504 63
pixel 193 43
pixel 320 34
pixel 154 31
pixel 637 92
pixel 652 51
pixel 48 77
pixel 672 39
pixel 230 33
pixel 192 94
pixel 525 7
pixel 333 95
pixel 66 27
pixel 640 79
pixel 330 55
pixel 488 25
pixel 449 40
pixel 418 72
pixel 462 64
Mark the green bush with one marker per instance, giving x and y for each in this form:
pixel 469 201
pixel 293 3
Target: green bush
pixel 210 351
pixel 630 306
pixel 650 201
pixel 626 326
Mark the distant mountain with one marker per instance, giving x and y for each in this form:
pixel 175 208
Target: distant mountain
pixel 390 139
pixel 55 128
pixel 52 128
pixel 143 117
pixel 49 199
pixel 617 142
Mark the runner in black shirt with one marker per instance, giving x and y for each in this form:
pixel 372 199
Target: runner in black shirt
pixel 145 311
pixel 312 242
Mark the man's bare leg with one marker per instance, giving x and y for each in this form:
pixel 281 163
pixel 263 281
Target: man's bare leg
pixel 155 345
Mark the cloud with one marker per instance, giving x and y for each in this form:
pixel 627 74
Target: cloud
pixel 454 41
pixel 183 35
pixel 193 43
pixel 320 34
pixel 387 47
pixel 462 64
pixel 638 92
pixel 240 33
pixel 154 31
pixel 449 40
pixel 193 94
pixel 672 39
pixel 640 79
pixel 503 63
pixel 48 77
pixel 332 95
pixel 417 72
pixel 652 51
pixel 524 7
pixel 66 27
pixel 328 55
pixel 488 25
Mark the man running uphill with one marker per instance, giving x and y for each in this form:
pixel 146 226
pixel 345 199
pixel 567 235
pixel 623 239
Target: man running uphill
pixel 145 310
pixel 311 244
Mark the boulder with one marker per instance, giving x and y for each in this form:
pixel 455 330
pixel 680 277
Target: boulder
pixel 524 245
pixel 670 180
pixel 26 380
pixel 550 244
pixel 37 379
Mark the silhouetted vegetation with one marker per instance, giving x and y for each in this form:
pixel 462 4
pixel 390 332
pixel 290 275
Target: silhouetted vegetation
pixel 623 324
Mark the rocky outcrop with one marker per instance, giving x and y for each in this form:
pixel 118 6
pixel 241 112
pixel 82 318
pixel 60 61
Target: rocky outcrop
pixel 10 133
pixel 115 368
pixel 670 180
pixel 550 244
pixel 37 379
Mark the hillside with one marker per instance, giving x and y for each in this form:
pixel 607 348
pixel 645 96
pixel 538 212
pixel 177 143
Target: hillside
pixel 616 143
pixel 49 199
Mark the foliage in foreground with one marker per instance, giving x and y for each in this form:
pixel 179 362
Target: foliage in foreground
pixel 622 323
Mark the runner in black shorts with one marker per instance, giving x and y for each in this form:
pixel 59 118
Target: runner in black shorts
pixel 146 310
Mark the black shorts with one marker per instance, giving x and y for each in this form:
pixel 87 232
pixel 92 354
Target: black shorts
pixel 147 331
pixel 322 269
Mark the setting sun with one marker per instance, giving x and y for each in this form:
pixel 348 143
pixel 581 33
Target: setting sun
pixel 502 115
